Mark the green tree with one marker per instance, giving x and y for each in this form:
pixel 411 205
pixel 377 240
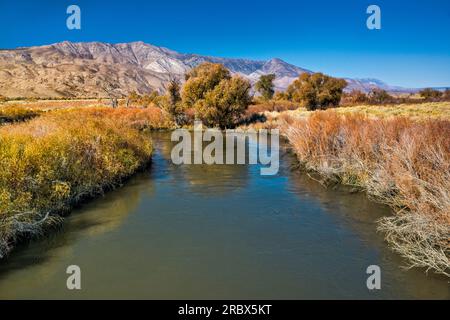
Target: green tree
pixel 265 86
pixel 218 99
pixel 202 79
pixel 224 105
pixel 316 91
pixel 173 104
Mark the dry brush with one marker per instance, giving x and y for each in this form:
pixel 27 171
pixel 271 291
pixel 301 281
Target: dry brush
pixel 398 161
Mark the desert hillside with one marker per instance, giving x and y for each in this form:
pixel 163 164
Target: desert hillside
pixel 69 69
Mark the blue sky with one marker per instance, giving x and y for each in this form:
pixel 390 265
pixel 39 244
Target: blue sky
pixel 412 49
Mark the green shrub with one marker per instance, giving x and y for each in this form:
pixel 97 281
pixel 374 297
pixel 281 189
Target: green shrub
pixel 226 103
pixel 218 99
pixel 317 91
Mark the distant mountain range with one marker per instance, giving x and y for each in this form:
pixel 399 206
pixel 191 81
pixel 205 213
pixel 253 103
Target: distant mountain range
pixel 69 69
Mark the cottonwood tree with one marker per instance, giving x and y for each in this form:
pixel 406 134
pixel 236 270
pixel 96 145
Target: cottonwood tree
pixel 218 99
pixel 224 105
pixel 265 86
pixel 317 91
pixel 110 87
pixel 202 79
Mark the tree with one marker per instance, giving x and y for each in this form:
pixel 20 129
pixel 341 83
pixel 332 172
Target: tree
pixel 316 91
pixel 202 79
pixel 224 105
pixel 265 86
pixel 132 98
pixel 430 94
pixel 357 97
pixel 218 99
pixel 379 96
pixel 110 87
pixel 279 95
pixel 173 104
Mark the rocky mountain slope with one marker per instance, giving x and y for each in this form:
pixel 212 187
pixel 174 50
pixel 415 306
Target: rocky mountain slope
pixel 69 69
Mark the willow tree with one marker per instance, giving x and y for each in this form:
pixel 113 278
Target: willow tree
pixel 265 86
pixel 317 91
pixel 218 98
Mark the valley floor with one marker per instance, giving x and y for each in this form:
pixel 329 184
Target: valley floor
pixel 399 155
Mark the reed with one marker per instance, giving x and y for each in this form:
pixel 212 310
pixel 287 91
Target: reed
pixel 398 161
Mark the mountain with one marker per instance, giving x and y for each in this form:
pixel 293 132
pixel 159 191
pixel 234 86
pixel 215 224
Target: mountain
pixel 69 69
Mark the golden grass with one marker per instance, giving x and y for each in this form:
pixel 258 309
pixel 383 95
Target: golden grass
pixel 55 161
pixel 435 110
pixel 14 114
pixel 46 105
pixel 399 161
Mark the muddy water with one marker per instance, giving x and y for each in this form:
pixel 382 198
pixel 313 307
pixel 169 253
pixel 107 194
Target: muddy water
pixel 192 232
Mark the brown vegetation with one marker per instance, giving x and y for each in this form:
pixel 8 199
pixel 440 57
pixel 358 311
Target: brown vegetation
pixel 399 162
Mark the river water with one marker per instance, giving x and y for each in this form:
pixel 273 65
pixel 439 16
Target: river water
pixel 217 232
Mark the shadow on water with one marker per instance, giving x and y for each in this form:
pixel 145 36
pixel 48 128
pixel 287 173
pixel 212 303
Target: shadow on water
pixel 221 231
pixel 91 220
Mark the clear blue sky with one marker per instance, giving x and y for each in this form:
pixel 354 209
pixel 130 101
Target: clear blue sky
pixel 412 49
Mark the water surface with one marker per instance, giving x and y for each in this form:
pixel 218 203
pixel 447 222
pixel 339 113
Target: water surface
pixel 225 232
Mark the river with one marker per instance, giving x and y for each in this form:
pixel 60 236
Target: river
pixel 217 232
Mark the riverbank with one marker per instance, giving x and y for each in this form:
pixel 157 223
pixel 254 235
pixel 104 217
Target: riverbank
pixel 54 162
pixel 399 155
pixel 163 225
pixel 9 114
pixel 398 161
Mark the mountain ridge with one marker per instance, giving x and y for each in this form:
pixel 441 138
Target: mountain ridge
pixel 80 69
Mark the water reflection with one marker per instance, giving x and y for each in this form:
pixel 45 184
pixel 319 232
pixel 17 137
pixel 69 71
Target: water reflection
pixel 193 232
pixel 203 179
pixel 42 258
pixel 354 212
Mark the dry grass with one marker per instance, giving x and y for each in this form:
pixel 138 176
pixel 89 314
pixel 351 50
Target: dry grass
pixel 273 105
pixel 55 161
pixel 16 114
pixel 398 161
pixel 435 110
pixel 46 105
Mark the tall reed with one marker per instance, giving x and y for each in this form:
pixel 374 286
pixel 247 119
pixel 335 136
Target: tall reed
pixel 398 161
